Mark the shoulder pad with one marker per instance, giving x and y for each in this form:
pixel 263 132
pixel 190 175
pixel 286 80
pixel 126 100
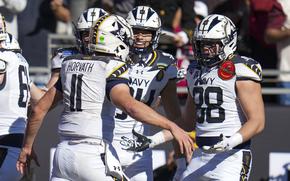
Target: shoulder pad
pixel 67 51
pixel 105 59
pixel 75 56
pixel 164 60
pixel 8 55
pixel 247 68
pixel 5 51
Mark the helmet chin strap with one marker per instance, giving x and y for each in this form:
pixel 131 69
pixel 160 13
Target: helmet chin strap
pixel 211 62
pixel 85 50
pixel 143 51
pixel 140 54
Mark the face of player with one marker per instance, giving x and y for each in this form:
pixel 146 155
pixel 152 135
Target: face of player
pixel 85 38
pixel 142 38
pixel 209 49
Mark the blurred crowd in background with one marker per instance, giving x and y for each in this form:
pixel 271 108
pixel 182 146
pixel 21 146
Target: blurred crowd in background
pixel 263 32
pixel 263 28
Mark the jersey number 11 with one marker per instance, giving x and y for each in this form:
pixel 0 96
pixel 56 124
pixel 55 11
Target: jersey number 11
pixel 76 93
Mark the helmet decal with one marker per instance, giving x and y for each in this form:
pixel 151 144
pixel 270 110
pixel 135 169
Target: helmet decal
pixel 142 15
pixel 96 28
pixel 120 31
pixel 111 34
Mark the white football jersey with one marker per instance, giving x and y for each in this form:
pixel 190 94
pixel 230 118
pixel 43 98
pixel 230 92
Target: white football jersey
pixel 15 93
pixel 83 81
pixel 217 107
pixel 147 78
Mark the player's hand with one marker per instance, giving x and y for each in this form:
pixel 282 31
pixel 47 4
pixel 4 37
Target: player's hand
pixel 24 160
pixel 141 143
pixel 225 143
pixel 221 146
pixel 186 144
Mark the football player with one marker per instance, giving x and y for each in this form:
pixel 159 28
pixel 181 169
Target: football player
pixel 226 91
pixel 224 102
pixel 152 73
pixel 17 92
pixel 81 32
pixel 91 87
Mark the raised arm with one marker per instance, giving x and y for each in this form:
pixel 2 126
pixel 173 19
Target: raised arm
pixel 36 93
pixel 120 96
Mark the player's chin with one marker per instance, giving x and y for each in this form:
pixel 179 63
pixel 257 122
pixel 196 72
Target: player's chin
pixel 140 45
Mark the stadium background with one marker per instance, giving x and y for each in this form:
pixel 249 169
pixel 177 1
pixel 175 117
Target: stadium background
pixel 37 45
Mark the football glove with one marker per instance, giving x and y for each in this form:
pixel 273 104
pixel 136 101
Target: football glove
pixel 226 143
pixel 141 143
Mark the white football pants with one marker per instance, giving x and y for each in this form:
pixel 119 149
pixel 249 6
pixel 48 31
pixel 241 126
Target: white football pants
pixel 8 170
pixel 137 166
pixel 80 161
pixel 233 165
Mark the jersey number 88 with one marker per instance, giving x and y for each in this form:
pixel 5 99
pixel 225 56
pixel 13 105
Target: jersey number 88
pixel 204 113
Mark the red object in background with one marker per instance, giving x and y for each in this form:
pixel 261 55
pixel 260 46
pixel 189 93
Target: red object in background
pixel 181 84
pixel 183 60
pixel 258 20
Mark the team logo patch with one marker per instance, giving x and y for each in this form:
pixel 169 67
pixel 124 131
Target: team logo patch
pixel 226 70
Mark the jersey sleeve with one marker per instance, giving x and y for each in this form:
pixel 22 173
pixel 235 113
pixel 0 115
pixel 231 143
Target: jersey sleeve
pixel 191 70
pixel 248 69
pixel 172 72
pixel 116 69
pixel 56 61
pixel 60 55
pixel 12 59
pixel 168 62
pixel 116 73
